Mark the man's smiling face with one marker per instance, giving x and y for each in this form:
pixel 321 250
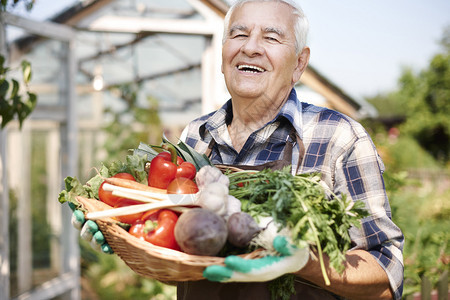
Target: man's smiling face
pixel 259 57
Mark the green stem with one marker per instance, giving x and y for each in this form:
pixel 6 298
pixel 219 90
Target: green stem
pixel 315 183
pixel 319 247
pixel 319 250
pixel 172 150
pixel 150 226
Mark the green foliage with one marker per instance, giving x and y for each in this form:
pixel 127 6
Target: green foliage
pixel 12 102
pixel 10 5
pixel 41 233
pixel 135 165
pixel 13 231
pixel 386 106
pixel 427 233
pixel 417 187
pixel 41 230
pixel 428 109
pixel 422 100
pixel 112 279
pixel 416 159
pixel 283 287
pixel 301 204
pixel 131 124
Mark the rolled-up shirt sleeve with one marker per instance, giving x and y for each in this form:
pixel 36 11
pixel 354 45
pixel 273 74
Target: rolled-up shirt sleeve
pixel 359 173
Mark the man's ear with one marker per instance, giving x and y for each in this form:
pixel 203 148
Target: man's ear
pixel 302 63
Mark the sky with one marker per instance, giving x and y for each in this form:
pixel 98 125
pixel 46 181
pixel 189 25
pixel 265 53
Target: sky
pixel 361 46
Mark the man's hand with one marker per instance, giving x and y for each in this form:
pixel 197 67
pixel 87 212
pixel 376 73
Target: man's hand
pixel 291 260
pixel 89 231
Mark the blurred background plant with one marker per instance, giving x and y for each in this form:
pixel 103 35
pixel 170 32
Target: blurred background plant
pixel 108 277
pixel 13 102
pixel 412 134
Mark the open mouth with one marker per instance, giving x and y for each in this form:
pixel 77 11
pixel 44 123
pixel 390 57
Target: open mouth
pixel 250 69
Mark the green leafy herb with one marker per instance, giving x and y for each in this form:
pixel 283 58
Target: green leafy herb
pixel 282 288
pixel 301 204
pixel 189 154
pixel 135 165
pixel 145 149
pixel 73 188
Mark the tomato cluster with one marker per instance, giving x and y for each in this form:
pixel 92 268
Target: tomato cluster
pixel 167 172
pixel 173 174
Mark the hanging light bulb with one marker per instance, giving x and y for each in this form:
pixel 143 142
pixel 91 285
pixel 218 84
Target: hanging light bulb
pixel 98 83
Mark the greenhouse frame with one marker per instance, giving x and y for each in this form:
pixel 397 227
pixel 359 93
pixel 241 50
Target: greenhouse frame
pixel 92 62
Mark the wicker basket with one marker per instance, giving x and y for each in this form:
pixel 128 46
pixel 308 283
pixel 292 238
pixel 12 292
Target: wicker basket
pixel 152 261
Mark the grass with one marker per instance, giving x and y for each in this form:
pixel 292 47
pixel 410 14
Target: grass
pixel 418 187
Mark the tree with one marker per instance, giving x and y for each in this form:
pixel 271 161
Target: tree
pixel 12 102
pixel 9 5
pixel 428 108
pixel 422 99
pixel 132 123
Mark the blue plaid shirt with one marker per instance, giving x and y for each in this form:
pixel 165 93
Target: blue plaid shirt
pixel 337 147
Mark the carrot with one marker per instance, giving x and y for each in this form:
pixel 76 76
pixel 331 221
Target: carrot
pixel 130 184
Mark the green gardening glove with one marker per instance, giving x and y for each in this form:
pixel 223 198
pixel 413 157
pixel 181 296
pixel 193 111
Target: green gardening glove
pixel 291 259
pixel 89 231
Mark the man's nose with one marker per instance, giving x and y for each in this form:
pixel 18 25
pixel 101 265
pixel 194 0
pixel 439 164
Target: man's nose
pixel 253 46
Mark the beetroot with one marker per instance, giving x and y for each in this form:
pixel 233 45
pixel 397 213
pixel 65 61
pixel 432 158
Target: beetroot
pixel 200 231
pixel 242 228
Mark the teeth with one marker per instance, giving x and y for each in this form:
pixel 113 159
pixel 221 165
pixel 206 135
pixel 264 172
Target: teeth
pixel 248 68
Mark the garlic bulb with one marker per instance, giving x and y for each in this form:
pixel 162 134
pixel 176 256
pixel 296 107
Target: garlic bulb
pixel 214 196
pixel 209 174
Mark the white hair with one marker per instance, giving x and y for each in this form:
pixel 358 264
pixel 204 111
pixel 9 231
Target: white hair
pixel 301 25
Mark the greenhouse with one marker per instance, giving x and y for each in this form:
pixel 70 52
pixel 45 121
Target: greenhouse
pixel 107 74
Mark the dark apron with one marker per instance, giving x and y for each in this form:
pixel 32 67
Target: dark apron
pixel 207 290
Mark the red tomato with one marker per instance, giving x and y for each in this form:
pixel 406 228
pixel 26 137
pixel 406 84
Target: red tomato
pixel 137 229
pixel 129 219
pixel 107 196
pixel 181 185
pixel 186 170
pixel 157 227
pixel 124 175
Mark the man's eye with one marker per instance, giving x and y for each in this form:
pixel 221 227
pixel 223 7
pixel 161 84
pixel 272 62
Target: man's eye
pixel 240 35
pixel 271 38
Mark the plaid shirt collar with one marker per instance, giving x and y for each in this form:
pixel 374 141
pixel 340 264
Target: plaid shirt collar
pixel 217 123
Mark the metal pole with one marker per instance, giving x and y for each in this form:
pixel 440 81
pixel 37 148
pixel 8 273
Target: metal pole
pixel 4 195
pixel 71 255
pixel 4 213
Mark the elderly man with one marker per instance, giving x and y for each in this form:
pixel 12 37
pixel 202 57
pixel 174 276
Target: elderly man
pixel 264 55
